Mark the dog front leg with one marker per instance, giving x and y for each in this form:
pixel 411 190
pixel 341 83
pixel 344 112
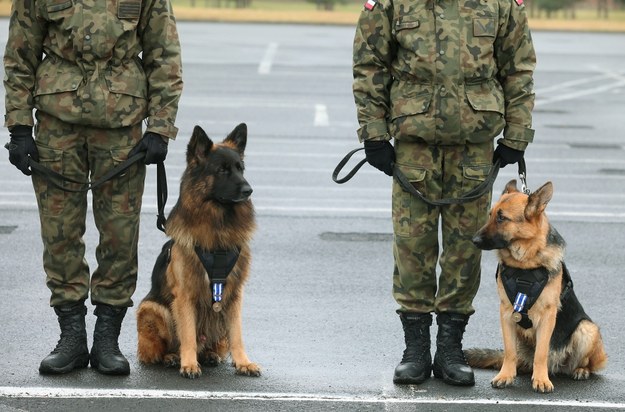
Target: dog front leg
pixel 506 375
pixel 184 316
pixel 544 330
pixel 240 360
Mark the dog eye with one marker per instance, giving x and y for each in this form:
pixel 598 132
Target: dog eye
pixel 223 170
pixel 500 217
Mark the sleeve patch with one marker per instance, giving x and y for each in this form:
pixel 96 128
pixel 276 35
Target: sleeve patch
pixel 519 2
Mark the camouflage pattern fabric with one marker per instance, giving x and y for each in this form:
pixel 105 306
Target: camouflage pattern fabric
pixel 92 74
pixel 73 150
pixel 439 172
pixel 444 72
pixel 444 79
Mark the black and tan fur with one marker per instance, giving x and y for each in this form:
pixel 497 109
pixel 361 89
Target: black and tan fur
pixel 519 230
pixel 175 321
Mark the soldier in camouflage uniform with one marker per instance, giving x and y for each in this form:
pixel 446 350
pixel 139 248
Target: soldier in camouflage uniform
pixel 443 78
pixel 93 70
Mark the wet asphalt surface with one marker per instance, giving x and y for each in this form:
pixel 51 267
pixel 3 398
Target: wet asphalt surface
pixel 318 313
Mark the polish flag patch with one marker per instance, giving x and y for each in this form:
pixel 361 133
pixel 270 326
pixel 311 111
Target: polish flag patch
pixel 370 4
pixel 519 2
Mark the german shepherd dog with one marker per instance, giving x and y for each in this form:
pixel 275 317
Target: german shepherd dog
pixel 185 320
pixel 543 331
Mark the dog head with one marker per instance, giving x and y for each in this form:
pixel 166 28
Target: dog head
pixel 216 169
pixel 515 218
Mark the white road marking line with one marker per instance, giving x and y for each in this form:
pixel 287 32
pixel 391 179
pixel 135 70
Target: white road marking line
pixel 76 393
pixel 321 116
pixel 265 65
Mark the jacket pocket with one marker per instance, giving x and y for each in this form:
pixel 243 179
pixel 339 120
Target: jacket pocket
pixel 127 99
pixel 55 89
pixel 484 116
pixel 410 105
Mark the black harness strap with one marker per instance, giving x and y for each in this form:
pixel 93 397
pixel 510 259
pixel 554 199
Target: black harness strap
pixel 529 282
pixel 218 264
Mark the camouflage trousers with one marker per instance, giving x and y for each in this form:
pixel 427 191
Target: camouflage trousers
pixel 438 172
pixel 84 153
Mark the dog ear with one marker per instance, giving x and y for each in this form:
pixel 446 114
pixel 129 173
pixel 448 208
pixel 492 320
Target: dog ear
pixel 238 137
pixel 199 146
pixel 537 201
pixel 510 187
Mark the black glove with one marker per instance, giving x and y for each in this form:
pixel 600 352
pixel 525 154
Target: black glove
pixel 154 146
pixel 381 155
pixel 507 155
pixel 21 146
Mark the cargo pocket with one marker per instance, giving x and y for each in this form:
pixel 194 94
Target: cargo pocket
pixel 404 219
pixel 127 188
pixel 475 212
pixel 51 199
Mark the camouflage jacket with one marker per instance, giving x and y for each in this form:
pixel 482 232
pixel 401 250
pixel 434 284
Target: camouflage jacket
pixel 104 64
pixel 444 71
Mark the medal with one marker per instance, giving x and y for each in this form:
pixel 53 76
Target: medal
pixel 217 307
pixel 516 316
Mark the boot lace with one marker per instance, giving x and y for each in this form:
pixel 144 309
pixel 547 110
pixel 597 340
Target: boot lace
pixel 70 338
pixel 417 343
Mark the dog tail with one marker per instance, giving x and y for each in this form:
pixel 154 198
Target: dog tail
pixel 484 358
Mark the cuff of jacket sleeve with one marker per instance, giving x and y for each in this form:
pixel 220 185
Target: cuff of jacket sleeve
pixel 162 127
pixel 375 130
pixel 517 137
pixel 19 117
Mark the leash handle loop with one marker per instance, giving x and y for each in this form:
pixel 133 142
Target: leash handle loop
pixel 342 164
pixel 471 195
pixel 161 195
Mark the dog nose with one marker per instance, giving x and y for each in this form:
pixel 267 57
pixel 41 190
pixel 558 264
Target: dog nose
pixel 246 191
pixel 477 240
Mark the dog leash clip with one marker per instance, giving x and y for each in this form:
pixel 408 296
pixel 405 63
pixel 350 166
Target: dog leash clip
pixel 524 187
pixel 523 177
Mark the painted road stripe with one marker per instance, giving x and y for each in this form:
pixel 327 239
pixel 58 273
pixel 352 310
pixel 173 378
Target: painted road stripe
pixel 76 393
pixel 265 65
pixel 321 116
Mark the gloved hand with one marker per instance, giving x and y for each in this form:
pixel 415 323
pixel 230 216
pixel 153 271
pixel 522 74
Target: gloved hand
pixel 507 155
pixel 154 146
pixel 21 146
pixel 381 155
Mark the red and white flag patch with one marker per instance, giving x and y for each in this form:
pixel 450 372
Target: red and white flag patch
pixel 370 4
pixel 519 2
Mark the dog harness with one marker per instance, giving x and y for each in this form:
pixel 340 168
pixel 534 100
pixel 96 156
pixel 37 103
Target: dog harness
pixel 524 286
pixel 218 264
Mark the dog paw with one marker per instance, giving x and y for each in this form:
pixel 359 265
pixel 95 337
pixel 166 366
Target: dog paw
pixel 581 374
pixel 210 359
pixel 191 372
pixel 542 385
pixel 171 360
pixel 251 369
pixel 502 381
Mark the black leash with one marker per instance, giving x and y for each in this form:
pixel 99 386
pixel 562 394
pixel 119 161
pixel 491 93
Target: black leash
pixel 56 179
pixel 471 195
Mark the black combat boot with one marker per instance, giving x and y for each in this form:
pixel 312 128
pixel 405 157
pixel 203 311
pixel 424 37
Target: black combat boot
pixel 71 351
pixel 105 354
pixel 449 362
pixel 416 364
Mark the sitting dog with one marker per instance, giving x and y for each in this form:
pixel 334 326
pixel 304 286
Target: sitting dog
pixel 192 314
pixel 545 329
